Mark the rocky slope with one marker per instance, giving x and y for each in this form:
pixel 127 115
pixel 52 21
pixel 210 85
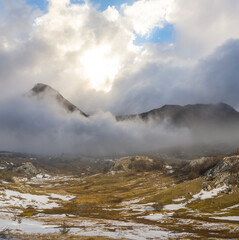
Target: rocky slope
pixel 197 116
pixel 189 115
pixel 42 91
pixel 226 171
pixel 128 204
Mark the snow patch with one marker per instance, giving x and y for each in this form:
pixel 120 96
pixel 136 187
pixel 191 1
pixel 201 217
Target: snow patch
pixel 62 197
pixel 231 218
pixel 208 194
pixel 9 198
pixel 228 208
pixel 174 207
pixel 26 226
pixel 156 216
pixel 179 199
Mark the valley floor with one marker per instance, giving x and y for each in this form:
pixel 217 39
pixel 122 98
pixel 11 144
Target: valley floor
pixel 126 205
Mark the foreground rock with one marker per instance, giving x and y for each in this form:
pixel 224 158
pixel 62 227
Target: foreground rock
pixel 225 171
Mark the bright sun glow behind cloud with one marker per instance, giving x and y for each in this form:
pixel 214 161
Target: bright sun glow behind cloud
pixel 100 68
pixel 141 53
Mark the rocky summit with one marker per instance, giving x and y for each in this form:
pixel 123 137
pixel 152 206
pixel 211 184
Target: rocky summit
pixel 42 91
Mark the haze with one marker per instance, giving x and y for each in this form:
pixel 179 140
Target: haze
pixel 116 57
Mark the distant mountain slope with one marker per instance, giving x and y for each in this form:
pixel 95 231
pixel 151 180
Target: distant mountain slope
pixel 189 115
pixel 41 90
pixel 193 116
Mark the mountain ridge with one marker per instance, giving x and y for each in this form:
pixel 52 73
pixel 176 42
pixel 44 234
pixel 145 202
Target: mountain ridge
pixel 189 115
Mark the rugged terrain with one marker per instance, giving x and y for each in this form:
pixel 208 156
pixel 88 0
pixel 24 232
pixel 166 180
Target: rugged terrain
pixel 189 192
pixel 191 116
pixel 137 197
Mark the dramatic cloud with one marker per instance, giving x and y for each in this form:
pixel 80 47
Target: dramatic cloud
pixel 144 15
pixel 213 79
pixel 91 57
pixel 216 77
pixel 203 25
pixel 84 53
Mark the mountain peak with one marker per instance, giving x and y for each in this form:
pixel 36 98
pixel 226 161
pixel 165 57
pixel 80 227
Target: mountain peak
pixel 40 87
pixel 42 90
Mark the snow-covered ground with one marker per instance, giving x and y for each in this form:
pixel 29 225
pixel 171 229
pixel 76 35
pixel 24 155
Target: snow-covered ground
pixel 209 194
pixel 157 216
pixel 125 230
pixel 105 228
pixel 228 208
pixel 199 196
pixel 25 225
pixel 94 227
pixel 10 198
pixel 135 206
pixel 174 207
pixel 230 218
pixel 179 199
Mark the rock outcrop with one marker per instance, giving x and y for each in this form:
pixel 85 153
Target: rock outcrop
pixel 28 169
pixel 225 171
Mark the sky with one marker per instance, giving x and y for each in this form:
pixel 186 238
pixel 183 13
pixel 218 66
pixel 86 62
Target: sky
pixel 121 57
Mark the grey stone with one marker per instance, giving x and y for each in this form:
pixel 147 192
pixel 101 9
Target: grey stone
pixel 27 168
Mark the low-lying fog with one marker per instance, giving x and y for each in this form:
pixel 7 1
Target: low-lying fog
pixel 43 127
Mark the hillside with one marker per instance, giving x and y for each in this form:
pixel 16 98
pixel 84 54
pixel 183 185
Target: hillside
pixel 189 115
pixel 174 201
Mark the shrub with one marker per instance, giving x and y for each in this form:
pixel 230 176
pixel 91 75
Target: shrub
pixel 158 206
pixel 157 165
pixel 201 168
pixel 235 168
pixel 64 228
pixel 4 234
pixel 192 172
pixel 140 166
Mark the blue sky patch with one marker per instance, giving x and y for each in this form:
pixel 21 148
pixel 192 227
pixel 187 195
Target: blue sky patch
pixel 158 35
pixel 99 4
pixel 103 4
pixel 41 4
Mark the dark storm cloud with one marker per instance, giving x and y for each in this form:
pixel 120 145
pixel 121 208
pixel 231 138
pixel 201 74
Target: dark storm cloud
pixel 217 76
pixel 214 79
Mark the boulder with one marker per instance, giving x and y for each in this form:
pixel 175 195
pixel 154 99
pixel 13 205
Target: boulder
pixel 27 168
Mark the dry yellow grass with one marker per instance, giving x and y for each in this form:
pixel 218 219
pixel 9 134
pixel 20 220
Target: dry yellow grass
pixel 103 196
